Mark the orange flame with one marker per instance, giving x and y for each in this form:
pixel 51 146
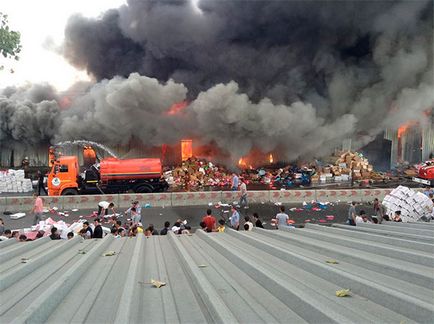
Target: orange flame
pixel 186 149
pixel 401 130
pixel 404 127
pixel 242 162
pixel 270 158
pixel 177 108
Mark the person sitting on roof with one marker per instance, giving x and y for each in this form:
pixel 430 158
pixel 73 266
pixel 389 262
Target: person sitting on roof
pixel 221 227
pixel 166 228
pixel 97 231
pixel 186 229
pixel 258 222
pixel 397 217
pixel 248 225
pixel 359 218
pixel 209 221
pixel 6 235
pixel 281 218
pixel 133 231
pixel 54 234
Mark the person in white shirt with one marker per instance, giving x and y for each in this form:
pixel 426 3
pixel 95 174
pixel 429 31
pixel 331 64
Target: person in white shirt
pixel 361 218
pixel 105 205
pixel 282 218
pixel 248 225
pixel 243 194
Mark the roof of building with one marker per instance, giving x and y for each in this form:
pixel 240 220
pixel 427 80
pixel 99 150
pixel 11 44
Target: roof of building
pixel 286 276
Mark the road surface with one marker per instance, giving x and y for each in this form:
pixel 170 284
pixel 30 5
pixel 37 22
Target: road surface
pixel 194 214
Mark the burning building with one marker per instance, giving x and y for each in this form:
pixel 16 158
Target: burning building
pixel 235 77
pixel 412 142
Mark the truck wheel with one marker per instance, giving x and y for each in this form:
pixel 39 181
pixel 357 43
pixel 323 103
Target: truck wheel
pixel 143 189
pixel 69 192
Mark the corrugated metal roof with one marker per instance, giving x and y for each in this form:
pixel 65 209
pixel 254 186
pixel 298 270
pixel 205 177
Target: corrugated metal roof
pixel 251 277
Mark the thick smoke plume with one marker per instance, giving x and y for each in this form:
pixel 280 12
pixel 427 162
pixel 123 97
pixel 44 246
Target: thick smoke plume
pixel 293 76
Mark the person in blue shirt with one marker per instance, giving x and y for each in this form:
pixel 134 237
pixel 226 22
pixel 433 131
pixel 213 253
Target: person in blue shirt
pixel 235 218
pixel 235 182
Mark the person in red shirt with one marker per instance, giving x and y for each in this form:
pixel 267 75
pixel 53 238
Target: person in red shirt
pixel 209 221
pixel 38 208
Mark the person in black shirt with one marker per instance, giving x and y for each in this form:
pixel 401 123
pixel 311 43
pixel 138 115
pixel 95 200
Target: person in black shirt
pixel 258 222
pixel 97 232
pixel 166 228
pixel 41 184
pixel 54 234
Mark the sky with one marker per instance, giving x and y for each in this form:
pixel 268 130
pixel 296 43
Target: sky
pixel 41 24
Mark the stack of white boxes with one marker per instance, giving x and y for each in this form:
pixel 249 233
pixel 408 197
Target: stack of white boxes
pixel 413 205
pixel 14 181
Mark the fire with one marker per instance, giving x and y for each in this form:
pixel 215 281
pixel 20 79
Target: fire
pixel 270 158
pixel 242 162
pixel 177 108
pixel 186 149
pixel 65 102
pixel 404 127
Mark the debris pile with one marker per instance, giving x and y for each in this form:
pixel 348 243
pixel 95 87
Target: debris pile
pixel 343 166
pixel 413 205
pixel 14 181
pixel 197 173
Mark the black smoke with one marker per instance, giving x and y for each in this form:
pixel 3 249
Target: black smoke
pixel 298 76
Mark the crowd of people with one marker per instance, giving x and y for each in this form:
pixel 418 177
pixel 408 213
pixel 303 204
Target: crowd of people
pixel 379 217
pixel 133 225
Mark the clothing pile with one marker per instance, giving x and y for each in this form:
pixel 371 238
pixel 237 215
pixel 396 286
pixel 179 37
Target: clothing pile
pixel 14 181
pixel 413 205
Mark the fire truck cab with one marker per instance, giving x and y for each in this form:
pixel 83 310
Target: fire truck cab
pixel 63 177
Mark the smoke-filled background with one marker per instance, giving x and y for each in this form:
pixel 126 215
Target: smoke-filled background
pixel 293 76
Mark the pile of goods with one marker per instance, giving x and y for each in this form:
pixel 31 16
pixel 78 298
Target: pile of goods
pixel 14 181
pixel 197 173
pixel 345 165
pixel 405 169
pixel 413 205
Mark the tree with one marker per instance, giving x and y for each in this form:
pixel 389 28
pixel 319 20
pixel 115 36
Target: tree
pixel 10 42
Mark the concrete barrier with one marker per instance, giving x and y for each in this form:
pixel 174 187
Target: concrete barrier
pixel 274 196
pixel 159 199
pixel 337 195
pixel 296 196
pixel 182 198
pixel 168 199
pixel 54 201
pixel 371 194
pixel 196 198
pixel 153 199
pixel 258 197
pixel 125 200
pixel 23 204
pixel 228 197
